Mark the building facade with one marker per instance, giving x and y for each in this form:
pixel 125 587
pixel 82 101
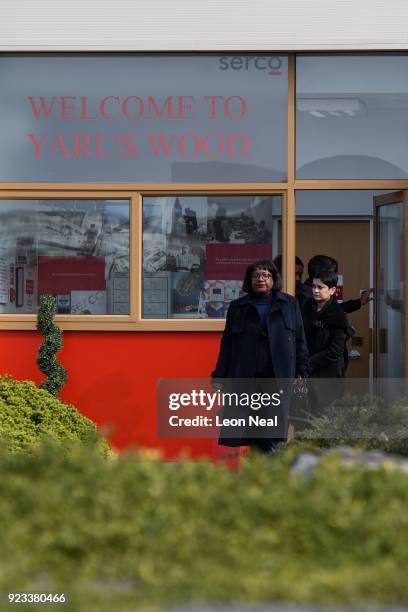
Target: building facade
pixel 139 178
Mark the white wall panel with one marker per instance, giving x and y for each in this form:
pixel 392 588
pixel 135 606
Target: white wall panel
pixel 148 25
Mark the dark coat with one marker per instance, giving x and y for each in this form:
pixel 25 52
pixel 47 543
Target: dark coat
pixel 240 340
pixel 240 343
pixel 303 292
pixel 326 334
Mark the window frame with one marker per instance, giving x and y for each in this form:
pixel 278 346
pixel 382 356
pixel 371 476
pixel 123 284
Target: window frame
pixel 134 193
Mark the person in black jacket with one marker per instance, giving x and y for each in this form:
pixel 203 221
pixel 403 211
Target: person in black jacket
pixel 326 326
pixel 324 262
pixel 302 291
pixel 263 338
pixel 314 267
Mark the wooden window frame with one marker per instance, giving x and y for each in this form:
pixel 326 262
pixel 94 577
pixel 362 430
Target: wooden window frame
pixel 135 192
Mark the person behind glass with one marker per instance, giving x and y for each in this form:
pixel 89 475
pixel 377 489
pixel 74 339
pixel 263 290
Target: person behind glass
pixel 301 291
pixel 263 338
pixel 318 262
pixel 325 324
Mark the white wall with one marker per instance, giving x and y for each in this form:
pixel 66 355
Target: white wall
pixel 193 25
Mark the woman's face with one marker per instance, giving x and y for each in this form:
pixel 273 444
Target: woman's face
pixel 321 292
pixel 262 281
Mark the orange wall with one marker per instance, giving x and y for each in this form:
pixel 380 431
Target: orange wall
pixel 112 377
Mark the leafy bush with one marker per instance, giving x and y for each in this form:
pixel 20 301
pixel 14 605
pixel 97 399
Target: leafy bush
pixel 367 422
pixel 135 532
pixel 28 414
pixel 52 344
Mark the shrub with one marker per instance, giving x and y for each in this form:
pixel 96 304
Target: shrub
pixel 52 344
pixel 135 532
pixel 367 422
pixel 28 414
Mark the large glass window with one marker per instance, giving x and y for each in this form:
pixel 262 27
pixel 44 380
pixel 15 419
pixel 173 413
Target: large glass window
pixel 143 118
pixel 196 250
pixel 352 116
pixel 76 250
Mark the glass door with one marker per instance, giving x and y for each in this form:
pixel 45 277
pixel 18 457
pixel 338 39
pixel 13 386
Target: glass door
pixel 390 326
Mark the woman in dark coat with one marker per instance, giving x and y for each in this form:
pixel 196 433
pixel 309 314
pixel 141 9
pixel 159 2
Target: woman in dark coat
pixel 263 338
pixel 326 326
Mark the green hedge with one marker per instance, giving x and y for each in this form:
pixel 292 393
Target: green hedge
pixel 361 421
pixel 134 532
pixel 28 414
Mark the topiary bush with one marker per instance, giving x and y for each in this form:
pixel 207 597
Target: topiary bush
pixel 28 414
pixel 55 372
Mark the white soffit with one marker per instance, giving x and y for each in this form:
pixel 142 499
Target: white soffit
pixel 200 25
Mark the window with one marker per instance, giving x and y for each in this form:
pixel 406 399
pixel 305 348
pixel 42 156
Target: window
pixel 123 261
pixel 158 118
pixel 196 250
pixel 352 116
pixel 76 250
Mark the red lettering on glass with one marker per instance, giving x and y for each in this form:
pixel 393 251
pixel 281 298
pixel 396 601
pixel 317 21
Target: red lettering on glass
pixel 213 99
pixel 99 142
pixel 81 142
pixel 182 145
pixel 66 107
pixel 241 104
pixel 140 103
pixel 103 104
pixel 84 110
pixel 37 143
pixel 47 110
pixel 185 105
pixel 167 147
pixel 166 109
pixel 58 142
pixel 233 149
pixel 131 149
pixel 221 145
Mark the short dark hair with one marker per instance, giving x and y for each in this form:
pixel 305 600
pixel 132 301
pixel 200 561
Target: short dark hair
pixel 278 262
pixel 262 264
pixel 328 278
pixel 318 263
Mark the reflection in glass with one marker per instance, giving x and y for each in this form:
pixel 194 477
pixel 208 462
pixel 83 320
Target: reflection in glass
pixel 390 308
pixel 351 116
pixel 196 250
pixel 155 118
pixel 76 250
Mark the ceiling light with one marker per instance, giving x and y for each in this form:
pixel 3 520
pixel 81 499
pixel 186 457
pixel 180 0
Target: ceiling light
pixel 334 106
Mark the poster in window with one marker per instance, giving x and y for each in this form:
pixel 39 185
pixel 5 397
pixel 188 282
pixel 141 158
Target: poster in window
pixel 3 276
pixel 186 287
pixel 243 221
pixel 186 254
pixel 230 261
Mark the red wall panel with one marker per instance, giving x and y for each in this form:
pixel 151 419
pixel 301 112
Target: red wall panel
pixel 112 378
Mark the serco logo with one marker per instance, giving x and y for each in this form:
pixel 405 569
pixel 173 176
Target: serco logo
pixel 272 64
